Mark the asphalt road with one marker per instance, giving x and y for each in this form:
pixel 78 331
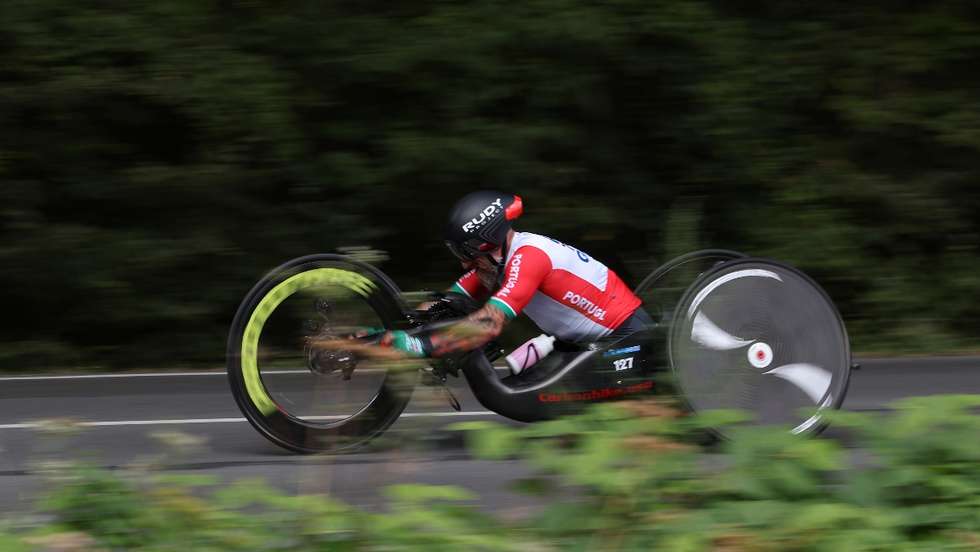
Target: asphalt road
pixel 189 423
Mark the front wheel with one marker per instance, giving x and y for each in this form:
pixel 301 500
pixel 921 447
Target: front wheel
pixel 301 398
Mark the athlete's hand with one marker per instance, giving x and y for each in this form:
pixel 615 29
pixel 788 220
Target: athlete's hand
pixel 365 343
pixel 407 344
pixel 369 332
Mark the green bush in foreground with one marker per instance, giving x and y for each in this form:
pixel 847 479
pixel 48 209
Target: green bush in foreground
pixel 165 514
pixel 621 477
pixel 642 488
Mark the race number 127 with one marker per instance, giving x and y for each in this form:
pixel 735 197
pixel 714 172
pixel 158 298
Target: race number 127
pixel 623 363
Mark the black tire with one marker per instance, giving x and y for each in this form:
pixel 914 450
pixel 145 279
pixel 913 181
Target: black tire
pixel 283 404
pixel 661 289
pixel 760 336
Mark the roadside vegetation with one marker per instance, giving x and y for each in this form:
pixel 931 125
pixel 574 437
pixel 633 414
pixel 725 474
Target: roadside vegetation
pixel 622 477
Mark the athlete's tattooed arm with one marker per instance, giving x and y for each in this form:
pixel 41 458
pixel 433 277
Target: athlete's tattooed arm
pixel 470 333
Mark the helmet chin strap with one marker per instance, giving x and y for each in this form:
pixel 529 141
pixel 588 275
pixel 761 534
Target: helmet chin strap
pixel 503 261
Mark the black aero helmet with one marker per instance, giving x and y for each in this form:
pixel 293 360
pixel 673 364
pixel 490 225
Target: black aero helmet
pixel 479 222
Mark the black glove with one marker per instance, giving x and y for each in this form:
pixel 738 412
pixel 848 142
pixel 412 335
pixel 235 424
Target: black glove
pixel 450 305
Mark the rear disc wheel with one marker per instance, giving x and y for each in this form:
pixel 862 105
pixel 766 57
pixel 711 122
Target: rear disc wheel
pixel 762 337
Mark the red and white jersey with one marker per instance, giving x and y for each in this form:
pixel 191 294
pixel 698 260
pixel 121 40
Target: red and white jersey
pixel 564 291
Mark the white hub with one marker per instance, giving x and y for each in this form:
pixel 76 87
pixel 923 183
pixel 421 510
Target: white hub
pixel 760 355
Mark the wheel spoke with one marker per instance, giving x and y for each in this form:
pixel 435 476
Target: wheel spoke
pixel 706 333
pixel 811 379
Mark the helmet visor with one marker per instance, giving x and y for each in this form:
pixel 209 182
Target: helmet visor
pixel 469 250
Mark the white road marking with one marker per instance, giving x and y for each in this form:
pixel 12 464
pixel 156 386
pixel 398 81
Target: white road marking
pixel 33 425
pixel 502 367
pixel 141 375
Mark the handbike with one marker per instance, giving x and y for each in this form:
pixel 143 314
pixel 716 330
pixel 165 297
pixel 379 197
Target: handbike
pixel 731 331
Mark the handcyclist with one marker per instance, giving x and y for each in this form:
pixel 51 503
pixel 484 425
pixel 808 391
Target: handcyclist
pixel 567 293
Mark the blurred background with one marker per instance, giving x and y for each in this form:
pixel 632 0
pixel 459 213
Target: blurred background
pixel 159 157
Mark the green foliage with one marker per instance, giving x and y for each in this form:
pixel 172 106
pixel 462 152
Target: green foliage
pixel 620 477
pixel 163 155
pixel 640 487
pixel 926 464
pixel 168 513
pixel 12 544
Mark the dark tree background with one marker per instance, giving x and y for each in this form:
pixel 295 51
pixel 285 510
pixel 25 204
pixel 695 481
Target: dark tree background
pixel 158 157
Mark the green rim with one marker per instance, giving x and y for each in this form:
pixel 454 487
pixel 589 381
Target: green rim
pixel 250 341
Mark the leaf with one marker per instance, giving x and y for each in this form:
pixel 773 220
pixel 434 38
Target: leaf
pixel 536 486
pixel 425 493
pixel 494 442
pixel 9 543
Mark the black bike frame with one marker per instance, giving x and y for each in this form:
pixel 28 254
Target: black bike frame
pixel 566 382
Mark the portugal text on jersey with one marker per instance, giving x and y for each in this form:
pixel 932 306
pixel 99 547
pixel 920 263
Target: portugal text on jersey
pixel 566 292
